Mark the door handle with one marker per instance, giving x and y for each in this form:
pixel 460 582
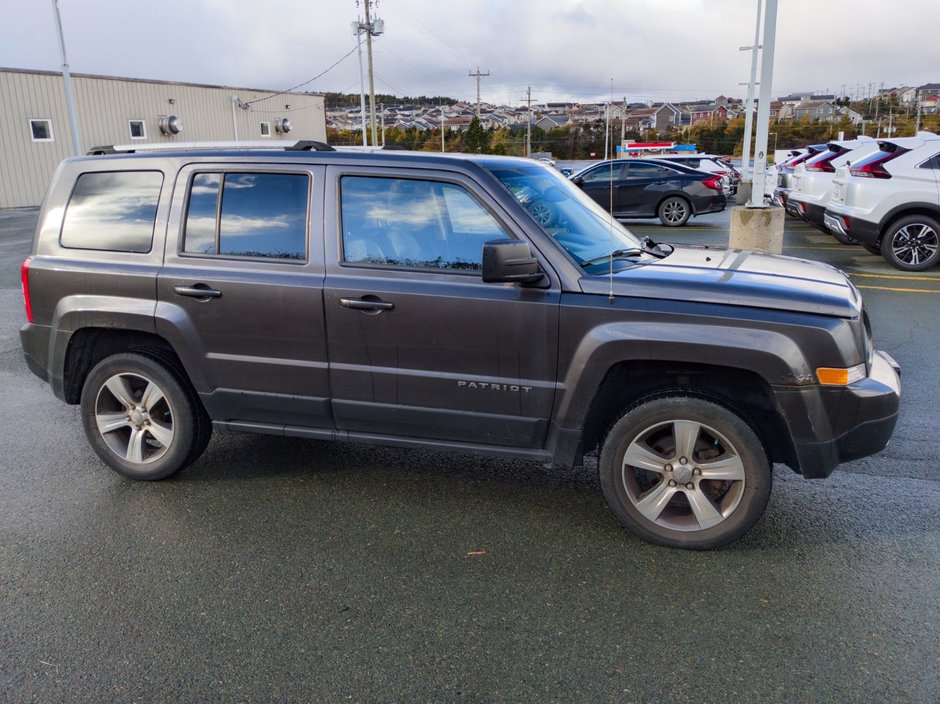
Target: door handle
pixel 198 291
pixel 366 304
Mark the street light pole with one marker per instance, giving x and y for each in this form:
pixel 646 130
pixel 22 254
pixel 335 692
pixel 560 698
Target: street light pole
pixel 749 105
pixel 67 80
pixel 763 106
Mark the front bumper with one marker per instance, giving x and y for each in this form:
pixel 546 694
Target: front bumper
pixel 831 425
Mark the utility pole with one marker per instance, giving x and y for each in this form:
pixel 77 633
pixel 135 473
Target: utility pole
pixel 528 132
pixel 478 76
pixel 917 100
pixel 67 80
pixel 357 28
pixel 623 123
pixel 373 29
pixel 382 112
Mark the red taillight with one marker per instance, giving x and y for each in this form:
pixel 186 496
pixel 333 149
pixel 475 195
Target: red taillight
pixel 823 162
pixel 24 278
pixel 873 166
pixel 713 182
pixel 846 223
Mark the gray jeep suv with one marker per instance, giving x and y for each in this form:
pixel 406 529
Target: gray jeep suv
pixel 414 300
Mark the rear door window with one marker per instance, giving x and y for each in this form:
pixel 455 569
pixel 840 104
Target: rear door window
pixel 113 211
pixel 248 215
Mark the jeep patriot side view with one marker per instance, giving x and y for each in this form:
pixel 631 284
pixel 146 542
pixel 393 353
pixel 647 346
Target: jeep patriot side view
pixel 413 300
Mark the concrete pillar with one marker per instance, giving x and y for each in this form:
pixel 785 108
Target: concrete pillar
pixel 744 193
pixel 757 229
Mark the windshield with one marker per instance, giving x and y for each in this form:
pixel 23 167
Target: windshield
pixel 569 216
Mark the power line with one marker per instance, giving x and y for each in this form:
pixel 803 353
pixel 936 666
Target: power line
pixel 301 85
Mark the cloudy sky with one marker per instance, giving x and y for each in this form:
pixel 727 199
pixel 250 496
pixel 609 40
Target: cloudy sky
pixel 564 49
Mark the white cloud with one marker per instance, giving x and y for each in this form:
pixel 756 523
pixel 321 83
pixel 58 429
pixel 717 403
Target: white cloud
pixel 562 48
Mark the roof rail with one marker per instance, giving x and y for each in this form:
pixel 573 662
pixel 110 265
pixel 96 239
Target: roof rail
pixel 309 145
pixel 302 145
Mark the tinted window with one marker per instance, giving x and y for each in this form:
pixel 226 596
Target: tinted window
pixel 636 170
pixel 606 172
pixel 112 211
pixel 932 163
pixel 414 224
pixel 248 215
pixel 41 130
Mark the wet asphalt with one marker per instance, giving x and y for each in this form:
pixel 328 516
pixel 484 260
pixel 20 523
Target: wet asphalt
pixel 299 571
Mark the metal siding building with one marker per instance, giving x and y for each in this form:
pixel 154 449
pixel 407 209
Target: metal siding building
pixel 105 107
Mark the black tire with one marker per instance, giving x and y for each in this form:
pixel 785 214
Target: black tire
pixel 912 243
pixel 141 415
pixel 685 508
pixel 674 211
pixel 872 249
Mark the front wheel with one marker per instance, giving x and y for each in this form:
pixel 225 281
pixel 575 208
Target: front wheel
pixel 912 243
pixel 684 472
pixel 142 417
pixel 674 212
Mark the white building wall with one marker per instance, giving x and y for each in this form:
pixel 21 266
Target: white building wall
pixel 105 105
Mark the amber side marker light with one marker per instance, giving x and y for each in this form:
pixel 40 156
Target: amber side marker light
pixel 830 376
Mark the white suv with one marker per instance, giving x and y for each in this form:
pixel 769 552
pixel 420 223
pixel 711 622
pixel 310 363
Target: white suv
pixel 811 180
pixel 890 202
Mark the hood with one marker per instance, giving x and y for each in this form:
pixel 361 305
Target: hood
pixel 704 274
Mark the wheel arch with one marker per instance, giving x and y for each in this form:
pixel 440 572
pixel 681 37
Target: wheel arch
pixel 675 194
pixel 741 391
pixel 902 211
pixel 87 346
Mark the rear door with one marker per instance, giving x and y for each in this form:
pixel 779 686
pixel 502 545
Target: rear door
pixel 419 346
pixel 643 186
pixel 241 292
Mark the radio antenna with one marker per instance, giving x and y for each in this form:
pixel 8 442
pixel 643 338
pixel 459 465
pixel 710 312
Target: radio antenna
pixel 610 243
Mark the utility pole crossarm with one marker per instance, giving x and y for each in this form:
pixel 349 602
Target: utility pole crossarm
pixel 479 76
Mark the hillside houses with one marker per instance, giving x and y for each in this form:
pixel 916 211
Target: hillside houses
pixel 638 118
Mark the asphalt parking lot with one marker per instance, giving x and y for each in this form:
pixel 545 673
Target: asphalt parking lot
pixel 279 569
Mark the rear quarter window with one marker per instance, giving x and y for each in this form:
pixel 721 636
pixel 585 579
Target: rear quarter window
pixel 113 211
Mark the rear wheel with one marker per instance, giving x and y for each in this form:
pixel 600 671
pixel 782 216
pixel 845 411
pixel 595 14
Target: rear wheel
pixel 685 472
pixel 912 243
pixel 674 212
pixel 142 417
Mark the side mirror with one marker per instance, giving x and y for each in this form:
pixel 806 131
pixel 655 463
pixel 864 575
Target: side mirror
pixel 577 180
pixel 510 261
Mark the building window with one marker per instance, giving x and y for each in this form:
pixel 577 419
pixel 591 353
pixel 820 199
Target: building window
pixel 265 129
pixel 41 129
pixel 138 129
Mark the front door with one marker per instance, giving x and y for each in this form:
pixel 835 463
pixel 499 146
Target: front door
pixel 418 345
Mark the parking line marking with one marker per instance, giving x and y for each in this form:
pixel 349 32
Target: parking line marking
pixel 892 276
pixel 902 290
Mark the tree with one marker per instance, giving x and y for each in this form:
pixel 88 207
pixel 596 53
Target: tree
pixel 476 139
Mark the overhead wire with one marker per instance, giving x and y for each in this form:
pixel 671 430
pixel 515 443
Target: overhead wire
pixel 301 85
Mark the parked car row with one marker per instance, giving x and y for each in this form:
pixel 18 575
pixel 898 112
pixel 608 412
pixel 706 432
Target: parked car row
pixel 881 194
pixel 647 187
